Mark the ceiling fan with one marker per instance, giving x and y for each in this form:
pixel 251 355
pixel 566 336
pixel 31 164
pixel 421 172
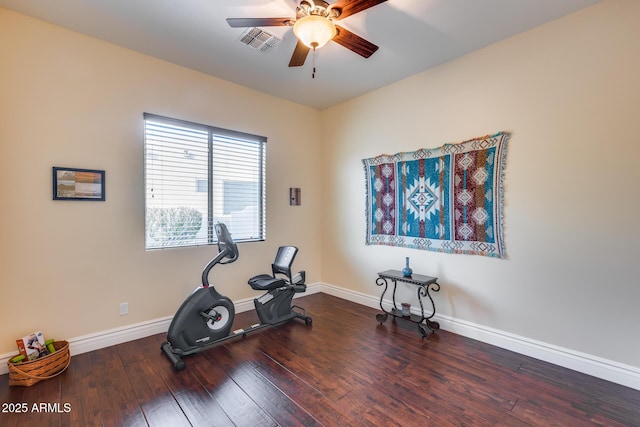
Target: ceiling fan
pixel 314 26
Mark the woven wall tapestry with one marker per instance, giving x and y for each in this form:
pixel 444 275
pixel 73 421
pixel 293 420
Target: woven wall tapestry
pixel 446 199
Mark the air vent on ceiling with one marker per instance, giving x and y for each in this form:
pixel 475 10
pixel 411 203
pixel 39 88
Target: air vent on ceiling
pixel 259 39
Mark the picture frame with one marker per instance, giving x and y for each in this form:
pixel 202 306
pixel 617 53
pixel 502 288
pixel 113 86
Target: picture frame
pixel 78 184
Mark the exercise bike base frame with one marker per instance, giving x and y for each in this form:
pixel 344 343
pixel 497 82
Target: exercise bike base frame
pixel 175 355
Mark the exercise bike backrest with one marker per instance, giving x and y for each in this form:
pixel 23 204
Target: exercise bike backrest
pixel 284 260
pixel 227 251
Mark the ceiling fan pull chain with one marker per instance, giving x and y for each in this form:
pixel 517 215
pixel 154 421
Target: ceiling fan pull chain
pixel 313 73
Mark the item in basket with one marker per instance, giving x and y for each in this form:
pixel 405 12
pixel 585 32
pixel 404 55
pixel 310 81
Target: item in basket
pixel 49 344
pixel 32 345
pixel 18 359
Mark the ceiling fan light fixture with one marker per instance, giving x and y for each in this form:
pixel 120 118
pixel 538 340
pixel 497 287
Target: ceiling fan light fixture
pixel 314 31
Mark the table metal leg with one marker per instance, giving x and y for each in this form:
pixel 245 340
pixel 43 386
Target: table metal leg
pixel 422 292
pixel 381 318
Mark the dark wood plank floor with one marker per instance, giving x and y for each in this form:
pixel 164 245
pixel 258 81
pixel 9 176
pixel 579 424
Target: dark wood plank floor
pixel 344 370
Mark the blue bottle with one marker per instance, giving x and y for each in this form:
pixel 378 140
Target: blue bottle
pixel 407 271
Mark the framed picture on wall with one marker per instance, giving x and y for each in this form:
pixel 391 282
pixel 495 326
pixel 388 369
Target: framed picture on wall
pixel 78 184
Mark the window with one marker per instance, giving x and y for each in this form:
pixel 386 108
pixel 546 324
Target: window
pixel 198 175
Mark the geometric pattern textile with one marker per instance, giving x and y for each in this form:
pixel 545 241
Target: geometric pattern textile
pixel 445 199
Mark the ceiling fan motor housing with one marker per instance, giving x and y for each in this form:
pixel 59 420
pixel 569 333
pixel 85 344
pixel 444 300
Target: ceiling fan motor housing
pixel 316 7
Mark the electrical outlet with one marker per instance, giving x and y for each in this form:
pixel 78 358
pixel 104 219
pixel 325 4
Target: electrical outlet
pixel 124 308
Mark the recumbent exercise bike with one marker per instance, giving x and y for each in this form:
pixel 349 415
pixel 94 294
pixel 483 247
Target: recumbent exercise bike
pixel 205 318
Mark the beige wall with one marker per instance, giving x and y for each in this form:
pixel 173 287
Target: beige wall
pixel 570 93
pixel 73 101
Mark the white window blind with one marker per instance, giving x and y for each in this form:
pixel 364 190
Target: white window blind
pixel 198 175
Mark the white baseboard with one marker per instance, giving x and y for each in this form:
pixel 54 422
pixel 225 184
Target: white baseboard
pixel 615 372
pixel 102 339
pixel 578 361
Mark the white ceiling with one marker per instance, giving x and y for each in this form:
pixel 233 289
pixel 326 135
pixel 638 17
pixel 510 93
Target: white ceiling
pixel 412 35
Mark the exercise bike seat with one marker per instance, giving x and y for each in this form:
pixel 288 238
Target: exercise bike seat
pixel 265 282
pixel 281 265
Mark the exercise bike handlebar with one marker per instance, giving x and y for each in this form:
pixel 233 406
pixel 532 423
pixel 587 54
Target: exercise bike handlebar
pixel 226 249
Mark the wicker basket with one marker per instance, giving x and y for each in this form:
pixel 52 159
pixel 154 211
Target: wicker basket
pixel 43 368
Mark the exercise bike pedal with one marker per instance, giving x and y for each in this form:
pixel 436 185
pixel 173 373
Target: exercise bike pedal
pixel 208 316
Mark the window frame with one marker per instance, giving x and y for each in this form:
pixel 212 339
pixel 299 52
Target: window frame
pixel 213 132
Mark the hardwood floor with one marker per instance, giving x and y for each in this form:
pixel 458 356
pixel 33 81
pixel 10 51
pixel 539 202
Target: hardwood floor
pixel 344 370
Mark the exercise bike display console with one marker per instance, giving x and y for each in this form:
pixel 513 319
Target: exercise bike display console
pixel 205 318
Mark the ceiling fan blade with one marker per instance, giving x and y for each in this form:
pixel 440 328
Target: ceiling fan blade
pixel 299 55
pixel 354 42
pixel 259 22
pixel 350 7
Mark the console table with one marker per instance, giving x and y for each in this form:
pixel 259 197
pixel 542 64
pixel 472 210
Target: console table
pixel 424 284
